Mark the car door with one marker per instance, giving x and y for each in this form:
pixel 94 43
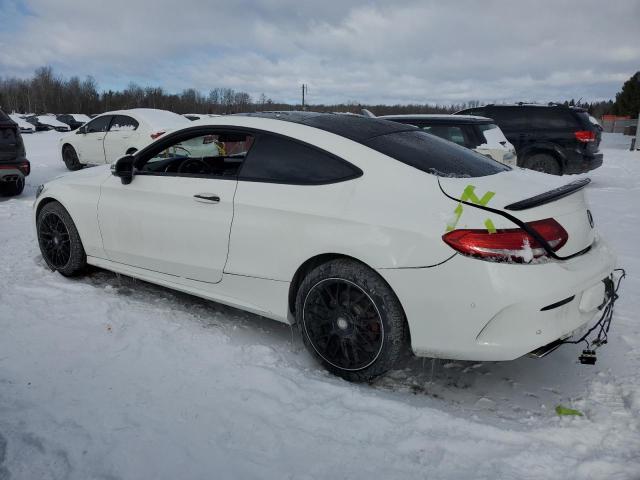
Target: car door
pixel 175 216
pixel 118 139
pixel 89 143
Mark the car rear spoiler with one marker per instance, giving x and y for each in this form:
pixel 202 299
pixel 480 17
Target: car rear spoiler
pixel 550 196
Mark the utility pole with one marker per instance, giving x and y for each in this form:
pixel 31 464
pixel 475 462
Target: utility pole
pixel 305 89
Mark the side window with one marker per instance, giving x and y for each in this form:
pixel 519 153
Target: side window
pixel 123 123
pixel 99 124
pixel 453 133
pixel 551 118
pixel 281 160
pixel 448 132
pixel 214 155
pixel 510 118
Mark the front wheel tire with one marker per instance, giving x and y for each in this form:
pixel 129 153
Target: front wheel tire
pixel 59 240
pixel 350 320
pixel 70 157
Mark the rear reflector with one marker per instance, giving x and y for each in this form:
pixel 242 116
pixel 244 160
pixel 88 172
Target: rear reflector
pixel 155 135
pixel 585 136
pixel 509 244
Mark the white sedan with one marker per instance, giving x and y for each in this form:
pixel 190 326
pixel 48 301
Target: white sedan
pixel 371 235
pixel 113 134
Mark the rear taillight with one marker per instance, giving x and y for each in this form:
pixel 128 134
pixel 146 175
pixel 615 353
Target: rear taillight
pixel 25 168
pixel 510 244
pixel 155 135
pixel 585 136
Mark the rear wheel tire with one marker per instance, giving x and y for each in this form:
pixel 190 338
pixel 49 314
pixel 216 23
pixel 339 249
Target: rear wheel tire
pixel 71 159
pixel 542 162
pixel 12 188
pixel 350 320
pixel 59 240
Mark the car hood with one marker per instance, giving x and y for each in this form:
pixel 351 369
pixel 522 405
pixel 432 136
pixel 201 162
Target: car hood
pixel 86 174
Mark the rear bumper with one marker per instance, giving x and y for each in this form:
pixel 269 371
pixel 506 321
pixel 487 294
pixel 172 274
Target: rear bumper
pixel 580 162
pixel 470 309
pixel 10 175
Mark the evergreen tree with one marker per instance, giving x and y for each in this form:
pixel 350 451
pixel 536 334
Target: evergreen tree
pixel 628 99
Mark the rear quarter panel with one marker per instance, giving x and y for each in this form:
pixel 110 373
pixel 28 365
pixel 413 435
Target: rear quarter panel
pixel 392 216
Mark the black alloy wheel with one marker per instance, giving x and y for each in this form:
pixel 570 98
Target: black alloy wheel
pixel 54 239
pixel 59 240
pixel 70 157
pixel 350 319
pixel 343 324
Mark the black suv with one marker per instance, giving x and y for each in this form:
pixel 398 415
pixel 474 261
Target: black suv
pixel 13 163
pixel 554 139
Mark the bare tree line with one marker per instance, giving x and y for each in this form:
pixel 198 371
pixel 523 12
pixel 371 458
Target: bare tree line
pixel 46 92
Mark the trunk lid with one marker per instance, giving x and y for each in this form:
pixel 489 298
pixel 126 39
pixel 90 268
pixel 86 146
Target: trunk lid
pixel 526 195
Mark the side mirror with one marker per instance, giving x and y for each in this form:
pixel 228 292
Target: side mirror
pixel 82 130
pixel 123 168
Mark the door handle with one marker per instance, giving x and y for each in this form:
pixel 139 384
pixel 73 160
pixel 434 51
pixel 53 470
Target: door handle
pixel 207 198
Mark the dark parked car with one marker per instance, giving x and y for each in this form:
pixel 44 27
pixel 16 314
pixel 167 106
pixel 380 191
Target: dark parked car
pixel 549 138
pixel 74 120
pixel 13 163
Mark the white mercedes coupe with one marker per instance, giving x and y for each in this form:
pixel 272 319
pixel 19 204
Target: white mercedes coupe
pixel 372 236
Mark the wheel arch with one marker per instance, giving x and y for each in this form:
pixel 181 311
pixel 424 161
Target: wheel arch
pixel 546 149
pixel 45 201
pixel 318 260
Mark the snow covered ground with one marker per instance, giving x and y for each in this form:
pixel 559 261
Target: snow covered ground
pixel 107 378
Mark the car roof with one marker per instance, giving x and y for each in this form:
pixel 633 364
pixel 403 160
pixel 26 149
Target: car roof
pixel 153 116
pixel 353 127
pixel 440 118
pixel 527 105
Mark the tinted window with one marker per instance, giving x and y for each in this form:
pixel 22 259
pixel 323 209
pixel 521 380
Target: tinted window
pixel 100 124
pixel 550 118
pixel 434 155
pixel 280 160
pixel 509 118
pixel 123 123
pixel 448 132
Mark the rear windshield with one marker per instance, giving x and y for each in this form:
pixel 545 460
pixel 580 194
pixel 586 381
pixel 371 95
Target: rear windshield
pixel 7 135
pixel 434 155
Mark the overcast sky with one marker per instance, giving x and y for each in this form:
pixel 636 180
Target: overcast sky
pixel 373 52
